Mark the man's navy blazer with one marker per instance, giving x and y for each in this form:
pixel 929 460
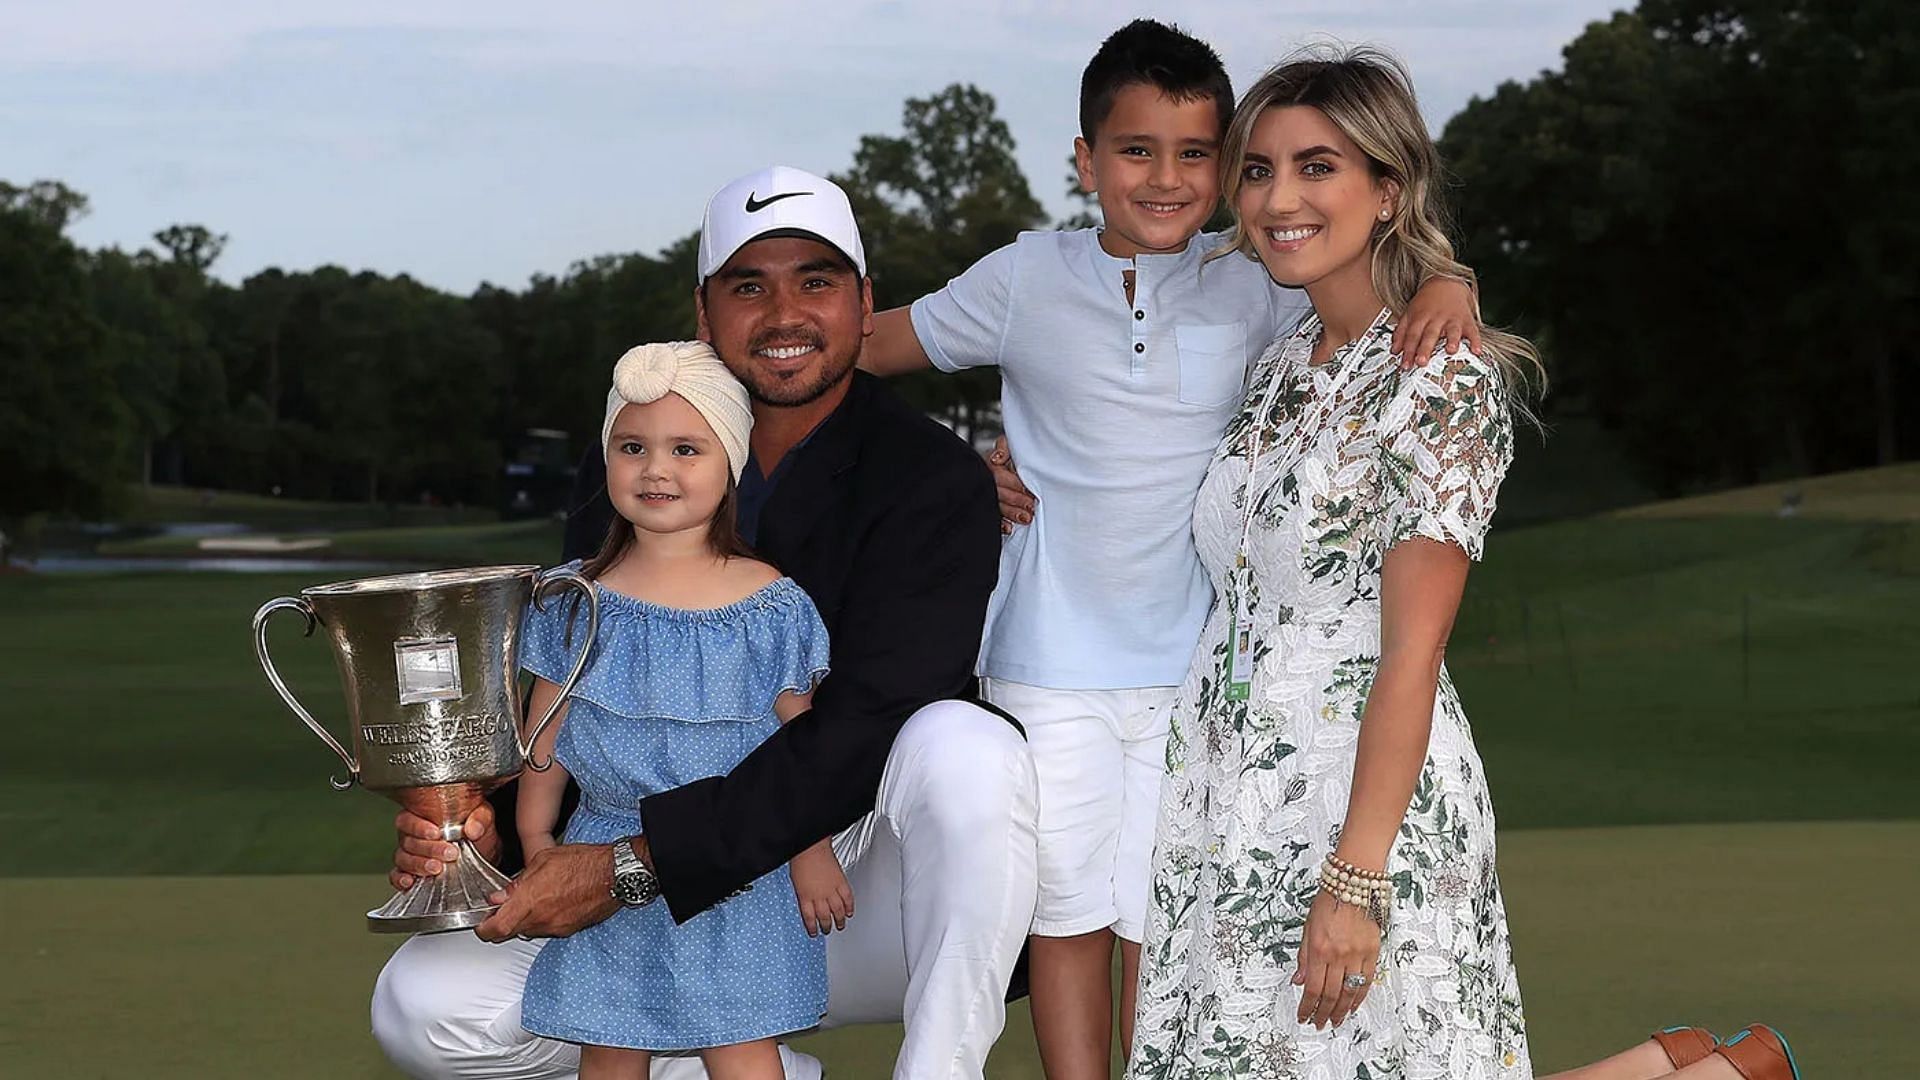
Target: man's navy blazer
pixel 890 523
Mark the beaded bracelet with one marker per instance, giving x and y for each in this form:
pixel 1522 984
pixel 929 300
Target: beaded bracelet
pixel 1339 863
pixel 1350 890
pixel 1370 891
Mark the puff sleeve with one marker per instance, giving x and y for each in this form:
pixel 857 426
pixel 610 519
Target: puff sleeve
pixel 1446 440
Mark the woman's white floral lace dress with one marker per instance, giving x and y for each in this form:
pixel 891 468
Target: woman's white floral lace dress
pixel 1355 456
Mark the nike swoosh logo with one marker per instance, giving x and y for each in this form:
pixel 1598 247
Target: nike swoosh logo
pixel 754 205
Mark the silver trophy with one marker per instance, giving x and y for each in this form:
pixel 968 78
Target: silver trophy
pixel 430 663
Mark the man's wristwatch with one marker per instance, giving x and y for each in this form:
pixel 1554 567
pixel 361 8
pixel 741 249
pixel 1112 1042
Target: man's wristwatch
pixel 633 884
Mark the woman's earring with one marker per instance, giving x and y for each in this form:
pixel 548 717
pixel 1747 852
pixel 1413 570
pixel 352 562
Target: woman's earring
pixel 1385 213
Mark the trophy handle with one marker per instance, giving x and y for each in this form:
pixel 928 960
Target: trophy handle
pixel 557 580
pixel 292 603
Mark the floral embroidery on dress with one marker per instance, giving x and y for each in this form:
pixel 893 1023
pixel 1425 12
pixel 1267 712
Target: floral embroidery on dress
pixel 1355 456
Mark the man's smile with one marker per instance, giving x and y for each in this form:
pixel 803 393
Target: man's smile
pixel 784 352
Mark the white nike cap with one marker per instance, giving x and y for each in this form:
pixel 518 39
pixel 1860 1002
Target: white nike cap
pixel 778 201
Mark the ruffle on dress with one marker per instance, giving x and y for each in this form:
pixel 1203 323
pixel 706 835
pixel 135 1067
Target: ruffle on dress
pixel 696 666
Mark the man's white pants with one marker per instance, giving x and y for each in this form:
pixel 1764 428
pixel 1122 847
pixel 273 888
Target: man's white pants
pixel 943 895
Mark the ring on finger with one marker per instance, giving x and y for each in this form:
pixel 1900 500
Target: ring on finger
pixel 1355 981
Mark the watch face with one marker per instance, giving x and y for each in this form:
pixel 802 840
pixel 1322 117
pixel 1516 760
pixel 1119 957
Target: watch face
pixel 633 884
pixel 625 889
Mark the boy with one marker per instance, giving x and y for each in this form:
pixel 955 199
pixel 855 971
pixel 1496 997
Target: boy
pixel 1122 360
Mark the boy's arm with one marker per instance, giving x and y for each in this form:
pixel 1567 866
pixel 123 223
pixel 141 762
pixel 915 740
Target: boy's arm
pixel 893 348
pixel 960 326
pixel 1445 311
pixel 537 809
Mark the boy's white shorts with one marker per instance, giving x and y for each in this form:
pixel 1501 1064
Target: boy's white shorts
pixel 1100 756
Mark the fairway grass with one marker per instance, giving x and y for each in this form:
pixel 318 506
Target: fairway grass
pixel 1888 493
pixel 1691 670
pixel 534 541
pixel 161 504
pixel 1616 672
pixel 1617 932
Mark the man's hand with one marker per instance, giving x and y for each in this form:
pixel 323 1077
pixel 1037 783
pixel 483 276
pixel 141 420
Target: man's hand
pixel 1016 502
pixel 826 900
pixel 423 852
pixel 1441 313
pixel 562 891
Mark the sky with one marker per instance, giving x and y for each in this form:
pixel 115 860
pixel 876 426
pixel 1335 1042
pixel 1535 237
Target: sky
pixel 488 141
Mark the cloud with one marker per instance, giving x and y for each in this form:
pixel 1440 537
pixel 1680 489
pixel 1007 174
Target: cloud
pixel 490 140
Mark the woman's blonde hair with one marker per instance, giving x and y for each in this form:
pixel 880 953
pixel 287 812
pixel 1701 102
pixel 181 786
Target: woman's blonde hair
pixel 1366 93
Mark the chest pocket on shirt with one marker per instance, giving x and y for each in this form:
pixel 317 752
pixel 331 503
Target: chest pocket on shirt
pixel 1213 363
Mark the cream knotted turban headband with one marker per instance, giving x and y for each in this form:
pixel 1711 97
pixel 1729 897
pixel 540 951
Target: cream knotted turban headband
pixel 648 373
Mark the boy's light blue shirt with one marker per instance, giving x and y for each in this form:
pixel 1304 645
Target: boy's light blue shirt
pixel 1113 412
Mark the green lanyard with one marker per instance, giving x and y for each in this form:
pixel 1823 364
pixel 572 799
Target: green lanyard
pixel 1240 632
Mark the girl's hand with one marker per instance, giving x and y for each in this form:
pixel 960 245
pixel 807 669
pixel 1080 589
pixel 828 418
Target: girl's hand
pixel 1339 941
pixel 826 900
pixel 423 852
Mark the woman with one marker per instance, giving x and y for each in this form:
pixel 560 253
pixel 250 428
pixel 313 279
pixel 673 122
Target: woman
pixel 1325 849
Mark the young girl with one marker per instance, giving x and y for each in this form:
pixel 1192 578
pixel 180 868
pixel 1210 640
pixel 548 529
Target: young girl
pixel 701 653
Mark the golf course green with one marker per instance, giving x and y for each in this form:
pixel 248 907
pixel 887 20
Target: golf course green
pixel 1618 931
pixel 1700 724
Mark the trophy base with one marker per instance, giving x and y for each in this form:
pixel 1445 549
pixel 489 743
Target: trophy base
pixel 454 900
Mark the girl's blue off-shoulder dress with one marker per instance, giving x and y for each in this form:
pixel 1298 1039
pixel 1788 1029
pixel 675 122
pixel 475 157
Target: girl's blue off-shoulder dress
pixel 670 696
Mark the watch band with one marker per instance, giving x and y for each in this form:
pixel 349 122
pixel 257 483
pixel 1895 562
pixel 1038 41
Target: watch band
pixel 633 884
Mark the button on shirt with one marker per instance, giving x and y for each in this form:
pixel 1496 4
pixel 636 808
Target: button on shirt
pixel 1113 410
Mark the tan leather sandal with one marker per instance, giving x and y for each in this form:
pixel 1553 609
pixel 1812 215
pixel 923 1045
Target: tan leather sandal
pixel 1758 1052
pixel 1686 1045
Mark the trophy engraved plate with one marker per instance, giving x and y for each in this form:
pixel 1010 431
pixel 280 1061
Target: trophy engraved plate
pixel 439 726
pixel 428 670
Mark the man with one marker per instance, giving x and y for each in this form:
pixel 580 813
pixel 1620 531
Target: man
pixel 890 524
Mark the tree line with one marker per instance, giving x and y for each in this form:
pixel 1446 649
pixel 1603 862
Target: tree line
pixel 1704 219
pixel 332 384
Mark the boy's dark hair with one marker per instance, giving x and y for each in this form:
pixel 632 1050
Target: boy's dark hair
pixel 1167 58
